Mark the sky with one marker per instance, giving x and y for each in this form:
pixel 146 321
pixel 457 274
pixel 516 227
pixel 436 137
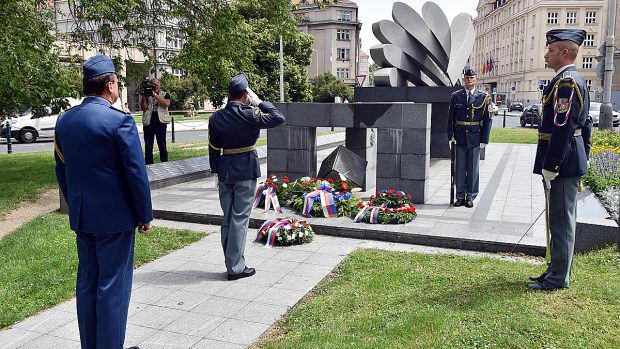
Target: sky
pixel 371 11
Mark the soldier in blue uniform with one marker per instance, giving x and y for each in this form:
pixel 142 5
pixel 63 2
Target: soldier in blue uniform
pixel 563 152
pixel 102 176
pixel 469 126
pixel 233 132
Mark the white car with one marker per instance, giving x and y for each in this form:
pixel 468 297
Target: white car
pixel 27 129
pixel 595 111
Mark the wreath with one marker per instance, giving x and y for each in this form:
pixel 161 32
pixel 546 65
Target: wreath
pixel 272 192
pixel 284 231
pixel 315 197
pixel 387 207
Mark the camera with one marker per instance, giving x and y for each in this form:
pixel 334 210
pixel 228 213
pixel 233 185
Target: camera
pixel 147 87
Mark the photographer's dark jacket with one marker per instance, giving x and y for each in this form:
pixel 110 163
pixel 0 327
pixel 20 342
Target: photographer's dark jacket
pixel 234 129
pixel 470 123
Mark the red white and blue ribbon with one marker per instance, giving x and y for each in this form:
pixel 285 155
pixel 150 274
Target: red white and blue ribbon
pixel 327 202
pixel 271 227
pixel 372 210
pixel 271 197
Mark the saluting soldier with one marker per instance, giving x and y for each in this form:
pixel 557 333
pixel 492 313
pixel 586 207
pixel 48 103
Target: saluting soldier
pixel 102 176
pixel 563 152
pixel 233 132
pixel 469 127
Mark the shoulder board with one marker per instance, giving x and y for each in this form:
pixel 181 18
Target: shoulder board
pixel 66 110
pixel 118 110
pixel 455 93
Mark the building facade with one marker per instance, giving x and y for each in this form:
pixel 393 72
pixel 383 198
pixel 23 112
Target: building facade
pixel 510 44
pixel 336 32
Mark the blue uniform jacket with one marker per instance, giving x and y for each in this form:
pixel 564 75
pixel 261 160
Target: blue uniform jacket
pixel 100 168
pixel 478 110
pixel 567 93
pixel 238 126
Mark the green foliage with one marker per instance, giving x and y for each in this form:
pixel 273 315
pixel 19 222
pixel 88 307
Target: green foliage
pixel 344 208
pixel 605 140
pixel 38 263
pixel 383 299
pixel 183 90
pixel 33 76
pixel 327 86
pixel 371 72
pixel 514 135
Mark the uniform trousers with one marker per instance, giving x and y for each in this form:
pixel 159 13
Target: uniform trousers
pixel 467 177
pixel 103 289
pixel 562 222
pixel 236 199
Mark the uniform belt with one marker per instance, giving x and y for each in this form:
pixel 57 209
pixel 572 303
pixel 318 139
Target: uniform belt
pixel 468 123
pixel 239 150
pixel 543 136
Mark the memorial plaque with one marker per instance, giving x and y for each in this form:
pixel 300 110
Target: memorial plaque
pixel 344 162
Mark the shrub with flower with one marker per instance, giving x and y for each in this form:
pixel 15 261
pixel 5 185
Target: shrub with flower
pixel 387 207
pixel 315 197
pixel 603 176
pixel 284 231
pixel 274 191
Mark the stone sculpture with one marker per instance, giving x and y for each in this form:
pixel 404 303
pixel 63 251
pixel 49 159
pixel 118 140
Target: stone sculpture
pixel 422 50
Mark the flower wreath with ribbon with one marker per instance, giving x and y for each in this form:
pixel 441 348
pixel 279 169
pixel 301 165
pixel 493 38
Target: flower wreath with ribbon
pixel 267 193
pixel 323 199
pixel 284 231
pixel 387 207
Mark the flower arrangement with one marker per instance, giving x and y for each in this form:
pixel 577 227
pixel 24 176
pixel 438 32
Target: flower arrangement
pixel 387 207
pixel 284 231
pixel 272 192
pixel 326 197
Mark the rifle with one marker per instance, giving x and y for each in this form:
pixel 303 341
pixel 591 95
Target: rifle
pixel 452 171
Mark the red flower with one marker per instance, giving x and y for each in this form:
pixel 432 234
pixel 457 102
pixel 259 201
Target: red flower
pixel 399 195
pixel 378 193
pixel 408 197
pixel 275 187
pixel 345 186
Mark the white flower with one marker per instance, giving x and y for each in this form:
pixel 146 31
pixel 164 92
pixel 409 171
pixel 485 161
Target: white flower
pixel 284 185
pixel 279 238
pixel 305 179
pixel 288 237
pixel 301 234
pixel 287 227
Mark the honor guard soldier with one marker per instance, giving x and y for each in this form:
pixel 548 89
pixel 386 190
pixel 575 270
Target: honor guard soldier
pixel 562 153
pixel 102 176
pixel 233 132
pixel 469 127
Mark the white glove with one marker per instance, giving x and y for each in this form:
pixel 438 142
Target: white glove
pixel 548 176
pixel 482 145
pixel 451 142
pixel 254 100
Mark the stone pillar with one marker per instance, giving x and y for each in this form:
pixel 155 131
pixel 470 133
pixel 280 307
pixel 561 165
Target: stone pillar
pixel 403 155
pixel 291 151
pixel 363 142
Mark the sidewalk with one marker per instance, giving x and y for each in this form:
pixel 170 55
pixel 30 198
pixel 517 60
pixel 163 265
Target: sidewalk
pixel 183 300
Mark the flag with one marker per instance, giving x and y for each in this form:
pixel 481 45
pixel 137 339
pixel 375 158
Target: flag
pixel 491 64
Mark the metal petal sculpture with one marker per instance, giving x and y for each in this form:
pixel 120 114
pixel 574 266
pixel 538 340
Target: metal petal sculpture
pixel 423 50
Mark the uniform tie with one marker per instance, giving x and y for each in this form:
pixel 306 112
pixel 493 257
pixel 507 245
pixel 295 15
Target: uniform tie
pixel 468 97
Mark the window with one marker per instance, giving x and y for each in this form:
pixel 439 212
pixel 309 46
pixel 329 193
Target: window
pixel 587 63
pixel 590 17
pixel 589 41
pixel 344 54
pixel 342 73
pixel 531 63
pixel 532 44
pixel 571 18
pixel 552 18
pixel 343 35
pixel 589 84
pixel 533 21
pixel 343 16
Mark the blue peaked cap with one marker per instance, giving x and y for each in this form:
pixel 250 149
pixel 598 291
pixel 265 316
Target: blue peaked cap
pixel 238 84
pixel 470 72
pixel 97 65
pixel 574 35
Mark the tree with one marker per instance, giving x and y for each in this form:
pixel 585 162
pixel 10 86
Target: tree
pixel 33 77
pixel 372 69
pixel 327 87
pixel 183 90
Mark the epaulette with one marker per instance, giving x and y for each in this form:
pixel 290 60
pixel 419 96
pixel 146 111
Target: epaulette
pixel 118 110
pixel 64 111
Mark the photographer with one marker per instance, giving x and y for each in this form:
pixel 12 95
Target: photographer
pixel 155 119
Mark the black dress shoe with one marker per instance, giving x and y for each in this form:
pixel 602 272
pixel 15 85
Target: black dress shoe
pixel 247 272
pixel 469 204
pixel 134 348
pixel 459 202
pixel 538 279
pixel 544 286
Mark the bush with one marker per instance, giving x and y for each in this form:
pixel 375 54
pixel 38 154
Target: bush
pixel 327 86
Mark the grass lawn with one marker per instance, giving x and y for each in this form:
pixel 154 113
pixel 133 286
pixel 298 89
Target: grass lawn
pixel 382 299
pixel 24 177
pixel 514 135
pixel 38 263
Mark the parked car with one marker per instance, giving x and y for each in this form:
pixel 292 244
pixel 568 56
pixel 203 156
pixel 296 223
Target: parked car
pixel 595 111
pixel 531 115
pixel 495 109
pixel 26 128
pixel 515 105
